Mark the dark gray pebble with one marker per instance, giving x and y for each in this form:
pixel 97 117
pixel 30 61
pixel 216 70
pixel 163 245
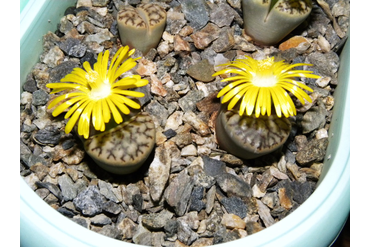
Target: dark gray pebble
pixel 51 187
pixel 30 86
pixel 235 205
pixel 90 202
pixel 48 136
pixel 39 97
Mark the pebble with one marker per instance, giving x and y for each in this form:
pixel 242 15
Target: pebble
pixel 60 71
pixel 203 38
pixel 313 152
pixel 196 199
pixel 110 231
pixel 158 111
pixel 89 202
pixel 234 205
pixel 180 44
pixel 100 37
pixel 293 42
pixel 106 189
pixel 53 57
pixel 232 221
pixel 192 119
pixel 201 71
pixel 321 133
pixel 100 220
pixel 30 86
pixel 127 227
pixel 233 185
pixel 195 13
pixel 39 97
pixel 189 101
pixel 222 15
pixel 179 190
pixel 48 136
pixel 156 221
pixel 189 150
pixel 51 187
pixel 264 213
pixel 314 119
pixel 69 191
pixel 174 121
pixel 156 86
pixel 159 172
pixel 142 236
pixel 189 192
pixel 185 234
pixel 225 40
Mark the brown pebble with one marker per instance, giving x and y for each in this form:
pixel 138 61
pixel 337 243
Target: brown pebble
pixel 292 43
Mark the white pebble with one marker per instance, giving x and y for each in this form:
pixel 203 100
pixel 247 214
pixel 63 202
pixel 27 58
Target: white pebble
pixel 323 43
pixel 321 133
pixel 323 81
pixel 189 150
pixel 26 98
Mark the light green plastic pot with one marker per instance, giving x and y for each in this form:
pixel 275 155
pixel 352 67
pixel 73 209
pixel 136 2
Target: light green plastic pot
pixel 316 222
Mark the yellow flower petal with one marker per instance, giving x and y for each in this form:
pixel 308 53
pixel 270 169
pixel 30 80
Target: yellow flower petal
pixel 97 116
pixel 128 93
pixel 119 101
pixel 84 122
pixel 236 98
pixel 59 109
pixel 65 86
pixel 116 115
pixel 87 66
pixel 251 96
pixel 234 91
pixel 62 97
pixel 72 121
pixel 126 66
pixel 105 110
pixel 229 87
pixel 76 78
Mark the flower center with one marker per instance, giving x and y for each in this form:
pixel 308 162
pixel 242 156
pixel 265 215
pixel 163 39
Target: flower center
pixel 99 88
pixel 264 76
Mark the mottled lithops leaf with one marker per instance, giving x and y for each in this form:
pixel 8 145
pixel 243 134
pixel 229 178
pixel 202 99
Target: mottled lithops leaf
pixel 142 27
pixel 123 149
pixel 267 22
pixel 249 137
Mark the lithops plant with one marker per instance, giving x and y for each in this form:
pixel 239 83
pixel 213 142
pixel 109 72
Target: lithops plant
pixel 249 137
pixel 141 27
pixel 93 96
pixel 124 148
pixel 269 21
pixel 258 129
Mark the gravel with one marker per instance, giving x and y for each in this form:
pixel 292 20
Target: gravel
pixel 189 192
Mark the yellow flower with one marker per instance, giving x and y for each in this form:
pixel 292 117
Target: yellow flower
pixel 257 82
pixel 95 94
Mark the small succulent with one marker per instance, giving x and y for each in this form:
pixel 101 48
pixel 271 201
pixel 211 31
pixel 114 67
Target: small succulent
pixel 94 94
pixel 269 21
pixel 142 27
pixel 256 129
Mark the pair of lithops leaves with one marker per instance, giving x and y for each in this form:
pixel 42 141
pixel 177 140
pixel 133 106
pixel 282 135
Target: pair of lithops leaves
pixel 122 148
pixel 269 21
pixel 249 137
pixel 141 27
